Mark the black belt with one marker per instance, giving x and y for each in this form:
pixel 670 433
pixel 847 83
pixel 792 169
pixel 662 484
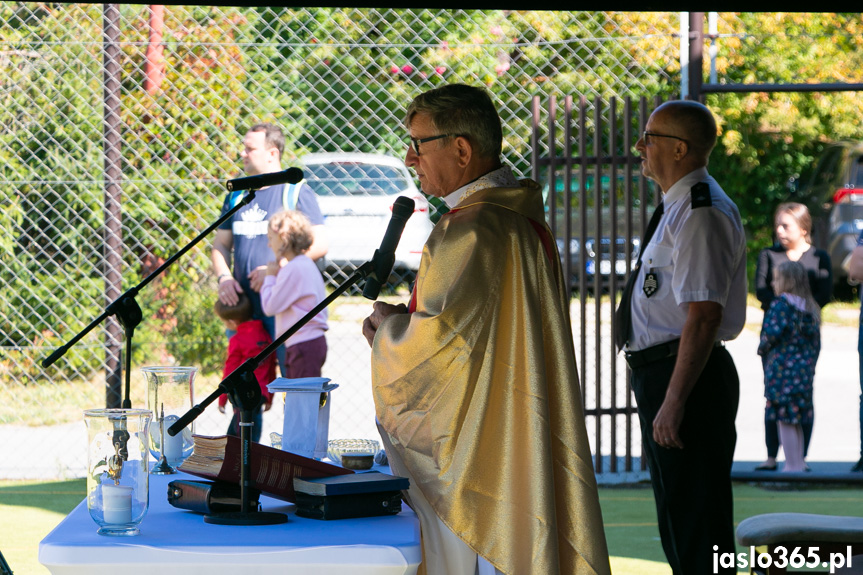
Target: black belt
pixel 655 353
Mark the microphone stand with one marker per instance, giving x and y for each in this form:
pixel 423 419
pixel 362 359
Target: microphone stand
pixel 4 567
pixel 129 315
pixel 243 387
pixel 128 311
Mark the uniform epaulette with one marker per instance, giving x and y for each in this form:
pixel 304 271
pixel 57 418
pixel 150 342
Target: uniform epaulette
pixel 700 193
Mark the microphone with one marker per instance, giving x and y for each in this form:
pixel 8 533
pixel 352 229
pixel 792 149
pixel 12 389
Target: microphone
pixel 289 176
pixel 385 256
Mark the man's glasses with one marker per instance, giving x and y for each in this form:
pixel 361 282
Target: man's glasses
pixel 415 143
pixel 646 136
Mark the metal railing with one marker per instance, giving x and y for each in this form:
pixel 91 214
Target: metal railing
pixel 597 202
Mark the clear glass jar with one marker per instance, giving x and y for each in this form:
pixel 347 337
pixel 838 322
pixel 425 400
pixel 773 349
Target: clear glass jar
pixel 170 394
pixel 118 479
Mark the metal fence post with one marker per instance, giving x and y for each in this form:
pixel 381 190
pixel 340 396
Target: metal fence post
pixel 113 254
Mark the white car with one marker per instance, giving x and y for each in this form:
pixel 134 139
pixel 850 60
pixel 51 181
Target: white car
pixel 356 192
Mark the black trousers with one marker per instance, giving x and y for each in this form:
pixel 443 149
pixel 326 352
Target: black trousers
pixel 692 486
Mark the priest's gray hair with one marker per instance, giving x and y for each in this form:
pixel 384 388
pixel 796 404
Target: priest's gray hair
pixel 462 110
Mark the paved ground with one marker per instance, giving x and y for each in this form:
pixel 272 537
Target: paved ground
pixel 836 433
pixel 835 444
pixel 59 451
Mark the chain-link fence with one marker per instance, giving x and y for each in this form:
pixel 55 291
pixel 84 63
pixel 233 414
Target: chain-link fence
pixel 191 79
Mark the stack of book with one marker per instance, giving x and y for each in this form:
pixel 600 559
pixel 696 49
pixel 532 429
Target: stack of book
pixel 365 494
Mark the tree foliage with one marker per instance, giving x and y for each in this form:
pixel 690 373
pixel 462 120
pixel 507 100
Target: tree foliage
pixel 334 79
pixel 769 143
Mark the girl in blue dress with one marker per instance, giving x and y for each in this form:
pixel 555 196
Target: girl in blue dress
pixel 790 344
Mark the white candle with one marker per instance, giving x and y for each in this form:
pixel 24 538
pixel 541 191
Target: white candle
pixel 117 503
pixel 173 448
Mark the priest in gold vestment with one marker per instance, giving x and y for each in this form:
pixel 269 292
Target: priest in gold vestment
pixel 475 383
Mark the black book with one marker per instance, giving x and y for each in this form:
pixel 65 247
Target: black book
pixel 370 482
pixel 348 506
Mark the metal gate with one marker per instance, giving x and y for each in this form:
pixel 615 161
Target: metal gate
pixel 597 203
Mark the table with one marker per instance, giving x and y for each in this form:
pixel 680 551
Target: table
pixel 173 541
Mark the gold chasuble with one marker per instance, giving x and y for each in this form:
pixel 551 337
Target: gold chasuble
pixel 477 392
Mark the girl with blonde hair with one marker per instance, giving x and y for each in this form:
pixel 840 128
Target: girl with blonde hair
pixel 292 287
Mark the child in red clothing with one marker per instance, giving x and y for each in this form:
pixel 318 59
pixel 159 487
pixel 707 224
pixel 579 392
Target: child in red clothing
pixel 249 339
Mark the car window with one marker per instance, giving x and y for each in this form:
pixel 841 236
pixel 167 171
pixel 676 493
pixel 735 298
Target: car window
pixel 355 179
pixel 621 216
pixel 825 172
pixel 590 188
pixel 857 173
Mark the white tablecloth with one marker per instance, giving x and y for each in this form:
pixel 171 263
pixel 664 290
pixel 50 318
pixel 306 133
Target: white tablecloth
pixel 173 541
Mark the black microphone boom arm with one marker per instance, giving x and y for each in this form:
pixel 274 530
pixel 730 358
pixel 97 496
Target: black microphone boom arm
pixel 289 176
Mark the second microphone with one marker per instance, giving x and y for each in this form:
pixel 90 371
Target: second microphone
pixel 289 176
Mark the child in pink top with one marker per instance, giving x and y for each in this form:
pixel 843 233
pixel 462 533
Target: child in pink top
pixel 292 287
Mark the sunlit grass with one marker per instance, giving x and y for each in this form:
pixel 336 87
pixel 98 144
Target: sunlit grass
pixel 60 402
pixel 49 403
pixel 30 510
pixel 841 313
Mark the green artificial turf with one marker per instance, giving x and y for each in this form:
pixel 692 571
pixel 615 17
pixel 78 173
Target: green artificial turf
pixel 629 515
pixel 29 510
pixel 633 538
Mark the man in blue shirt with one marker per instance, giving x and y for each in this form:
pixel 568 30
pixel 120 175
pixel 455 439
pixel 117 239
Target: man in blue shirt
pixel 240 252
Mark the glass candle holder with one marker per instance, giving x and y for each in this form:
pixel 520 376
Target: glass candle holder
pixel 117 468
pixel 170 394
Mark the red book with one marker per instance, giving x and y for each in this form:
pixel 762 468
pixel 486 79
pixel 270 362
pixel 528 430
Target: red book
pixel 272 470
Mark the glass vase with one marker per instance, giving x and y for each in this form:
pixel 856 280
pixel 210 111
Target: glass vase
pixel 170 394
pixel 117 468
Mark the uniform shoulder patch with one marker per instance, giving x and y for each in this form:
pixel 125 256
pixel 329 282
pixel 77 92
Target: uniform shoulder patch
pixel 700 193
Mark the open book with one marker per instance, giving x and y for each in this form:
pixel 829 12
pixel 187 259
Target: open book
pixel 272 470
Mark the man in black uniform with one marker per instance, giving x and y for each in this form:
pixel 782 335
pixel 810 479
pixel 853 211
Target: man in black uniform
pixel 686 296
